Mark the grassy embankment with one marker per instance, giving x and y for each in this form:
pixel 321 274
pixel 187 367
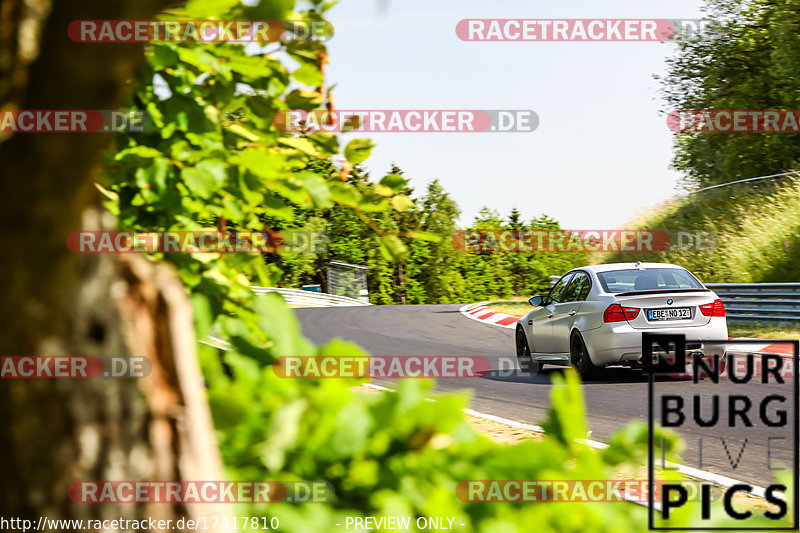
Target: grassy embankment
pixel 756 238
pixel 756 228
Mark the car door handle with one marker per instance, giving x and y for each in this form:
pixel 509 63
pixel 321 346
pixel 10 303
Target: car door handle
pixel 573 313
pixel 550 316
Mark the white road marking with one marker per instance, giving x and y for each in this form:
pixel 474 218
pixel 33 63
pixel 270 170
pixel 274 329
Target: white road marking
pixel 717 479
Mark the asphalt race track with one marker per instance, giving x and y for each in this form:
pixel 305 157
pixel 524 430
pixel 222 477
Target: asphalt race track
pixel 618 397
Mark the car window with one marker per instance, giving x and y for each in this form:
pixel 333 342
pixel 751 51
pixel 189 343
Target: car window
pixel 578 289
pixel 649 279
pixel 585 289
pixel 557 292
pixel 674 280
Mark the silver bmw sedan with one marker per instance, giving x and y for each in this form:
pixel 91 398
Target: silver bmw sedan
pixel 595 316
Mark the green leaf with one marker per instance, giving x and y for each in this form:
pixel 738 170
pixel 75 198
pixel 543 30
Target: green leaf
pixel 205 61
pixel 205 178
pixel 345 194
pixel 308 74
pixel 275 207
pixel 267 275
pixel 268 10
pixel 249 66
pixel 383 190
pixel 299 143
pixel 207 8
pixel 283 433
pixel 425 236
pixel 279 323
pixel 326 141
pixel 303 100
pixel 293 191
pixel 163 56
pixel 396 182
pixel 358 150
pixel 353 425
pixel 566 421
pixel 260 106
pixel 227 412
pixel 373 205
pixel 401 202
pixel 305 52
pixel 260 162
pixel 201 312
pixel 393 248
pixel 156 174
pixel 317 188
pixel 145 152
pixel 111 195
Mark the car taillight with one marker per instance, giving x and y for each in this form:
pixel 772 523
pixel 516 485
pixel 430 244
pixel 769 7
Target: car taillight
pixel 617 313
pixel 713 309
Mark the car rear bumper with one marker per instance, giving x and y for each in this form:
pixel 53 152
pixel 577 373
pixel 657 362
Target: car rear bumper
pixel 618 342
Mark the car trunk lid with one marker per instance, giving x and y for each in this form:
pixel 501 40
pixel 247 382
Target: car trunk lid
pixel 667 308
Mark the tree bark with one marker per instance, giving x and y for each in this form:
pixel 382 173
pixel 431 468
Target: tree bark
pixel 59 431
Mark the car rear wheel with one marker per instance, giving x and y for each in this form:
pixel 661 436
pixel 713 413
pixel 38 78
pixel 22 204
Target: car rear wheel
pixel 579 357
pixel 524 358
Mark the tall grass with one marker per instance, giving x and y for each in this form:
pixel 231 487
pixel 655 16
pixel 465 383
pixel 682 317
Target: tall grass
pixel 756 228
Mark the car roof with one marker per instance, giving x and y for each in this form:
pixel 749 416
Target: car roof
pixel 626 266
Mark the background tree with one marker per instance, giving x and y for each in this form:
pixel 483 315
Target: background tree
pixel 747 59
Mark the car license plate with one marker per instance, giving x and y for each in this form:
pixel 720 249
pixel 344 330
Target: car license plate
pixel 677 313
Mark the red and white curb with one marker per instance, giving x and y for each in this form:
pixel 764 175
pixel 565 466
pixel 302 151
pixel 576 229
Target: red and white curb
pixel 481 313
pixel 766 346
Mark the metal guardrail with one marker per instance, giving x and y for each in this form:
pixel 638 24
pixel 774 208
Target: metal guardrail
pixel 747 180
pixel 300 298
pixel 766 303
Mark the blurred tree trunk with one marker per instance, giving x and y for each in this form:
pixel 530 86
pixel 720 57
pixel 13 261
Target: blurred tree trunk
pixel 56 432
pixel 401 280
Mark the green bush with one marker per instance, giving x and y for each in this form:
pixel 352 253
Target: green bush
pixel 398 454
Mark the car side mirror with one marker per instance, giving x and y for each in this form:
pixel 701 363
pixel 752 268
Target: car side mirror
pixel 536 301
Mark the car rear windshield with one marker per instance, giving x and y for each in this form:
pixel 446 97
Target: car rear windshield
pixel 650 279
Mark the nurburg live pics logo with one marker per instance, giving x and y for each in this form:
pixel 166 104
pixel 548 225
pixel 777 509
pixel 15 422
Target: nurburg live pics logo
pixel 752 414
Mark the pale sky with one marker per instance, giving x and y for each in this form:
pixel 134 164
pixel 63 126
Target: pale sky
pixel 602 151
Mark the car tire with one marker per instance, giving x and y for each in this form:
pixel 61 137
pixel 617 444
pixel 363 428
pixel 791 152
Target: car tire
pixel 525 360
pixel 579 357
